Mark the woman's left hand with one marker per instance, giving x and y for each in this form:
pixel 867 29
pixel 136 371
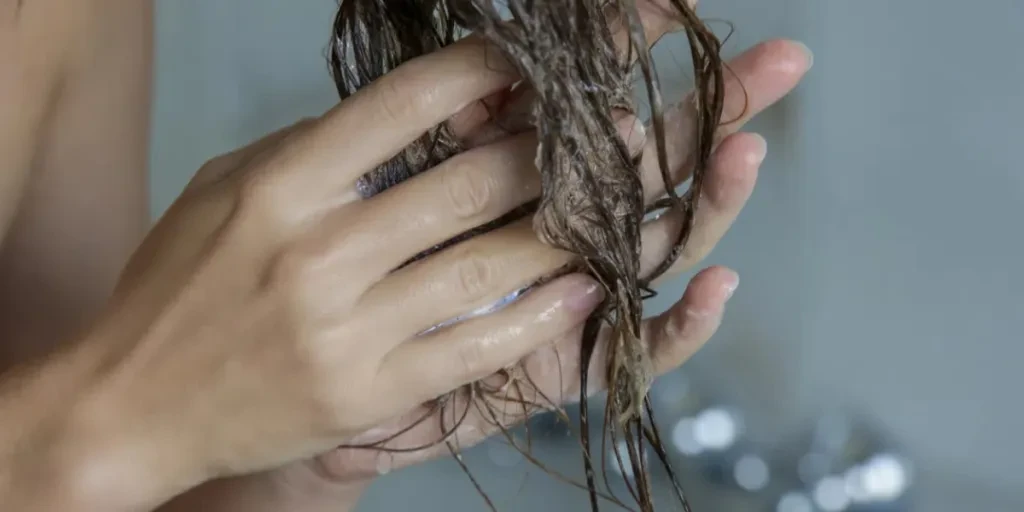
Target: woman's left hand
pixel 767 73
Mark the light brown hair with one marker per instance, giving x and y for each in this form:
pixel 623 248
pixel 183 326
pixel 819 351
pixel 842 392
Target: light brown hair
pixel 592 202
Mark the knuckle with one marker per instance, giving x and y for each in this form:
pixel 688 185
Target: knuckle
pixel 212 171
pixel 475 273
pixel 674 328
pixel 398 98
pixel 291 272
pixel 260 193
pixel 212 168
pixel 469 192
pixel 690 327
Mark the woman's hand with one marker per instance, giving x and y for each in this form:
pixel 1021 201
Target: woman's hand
pixel 767 72
pixel 260 322
pixel 498 171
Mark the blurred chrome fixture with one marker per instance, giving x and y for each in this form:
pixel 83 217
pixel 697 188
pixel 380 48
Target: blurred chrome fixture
pixel 675 395
pixel 751 473
pixel 715 429
pixel 848 467
pixel 715 444
pixel 880 483
pixel 795 501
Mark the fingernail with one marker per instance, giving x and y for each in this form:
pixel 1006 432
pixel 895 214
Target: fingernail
pixel 809 53
pixel 585 296
pixel 632 129
pixel 758 155
pixel 731 283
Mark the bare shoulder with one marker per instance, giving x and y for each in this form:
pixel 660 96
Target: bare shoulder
pixel 31 57
pixel 74 119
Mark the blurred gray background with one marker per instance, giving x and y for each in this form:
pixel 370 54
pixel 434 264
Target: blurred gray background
pixel 880 254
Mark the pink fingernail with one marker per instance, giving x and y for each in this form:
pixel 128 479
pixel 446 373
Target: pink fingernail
pixel 759 154
pixel 731 283
pixel 633 131
pixel 585 295
pixel 809 53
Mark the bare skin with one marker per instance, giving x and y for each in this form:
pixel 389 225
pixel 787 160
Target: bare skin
pixel 73 150
pixel 334 481
pixel 236 280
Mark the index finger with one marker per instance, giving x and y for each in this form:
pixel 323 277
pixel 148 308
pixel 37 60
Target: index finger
pixel 378 121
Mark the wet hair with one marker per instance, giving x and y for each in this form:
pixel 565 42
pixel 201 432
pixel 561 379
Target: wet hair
pixel 592 200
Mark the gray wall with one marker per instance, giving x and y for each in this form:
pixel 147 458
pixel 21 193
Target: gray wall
pixel 880 255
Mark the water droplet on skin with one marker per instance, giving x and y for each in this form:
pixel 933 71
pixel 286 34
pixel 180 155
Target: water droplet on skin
pixel 385 462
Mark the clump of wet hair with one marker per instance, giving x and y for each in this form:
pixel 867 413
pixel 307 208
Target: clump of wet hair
pixel 592 201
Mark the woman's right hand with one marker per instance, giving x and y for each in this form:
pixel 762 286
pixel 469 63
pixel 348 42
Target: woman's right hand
pixel 260 322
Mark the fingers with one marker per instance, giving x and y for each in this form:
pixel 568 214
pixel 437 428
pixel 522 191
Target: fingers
pixel 379 120
pixel 429 366
pixel 767 72
pixel 732 173
pixel 553 369
pixel 462 278
pixel 672 337
pixel 755 80
pixel 547 378
pixel 675 335
pixel 463 193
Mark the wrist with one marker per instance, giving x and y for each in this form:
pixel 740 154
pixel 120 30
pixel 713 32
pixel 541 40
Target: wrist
pixel 113 461
pixel 123 450
pixel 64 445
pixel 44 461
